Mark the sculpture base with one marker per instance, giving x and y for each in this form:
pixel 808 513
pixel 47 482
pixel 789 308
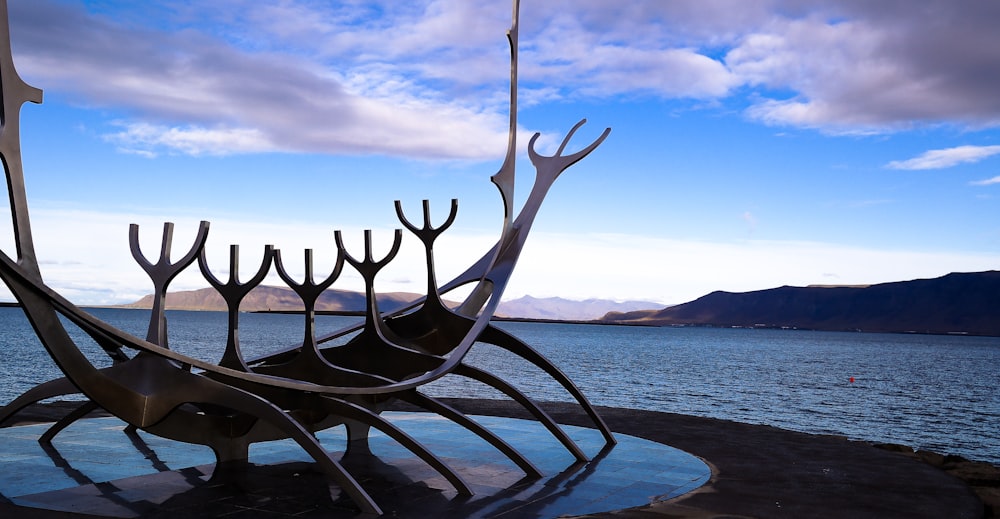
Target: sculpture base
pixel 94 468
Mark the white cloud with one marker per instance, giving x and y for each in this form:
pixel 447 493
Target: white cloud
pixel 144 139
pixel 946 158
pixel 191 93
pixel 863 67
pixel 581 60
pixel 839 80
pixel 987 182
pixel 613 70
pixel 428 78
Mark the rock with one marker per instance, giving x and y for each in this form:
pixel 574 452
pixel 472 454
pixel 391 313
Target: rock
pixel 975 473
pixel 952 460
pixel 931 458
pixel 894 447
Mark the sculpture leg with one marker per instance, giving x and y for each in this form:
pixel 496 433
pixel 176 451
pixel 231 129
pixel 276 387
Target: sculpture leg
pixel 232 452
pixel 64 422
pixel 498 337
pixel 361 416
pixel 357 437
pixel 527 403
pixel 436 406
pixel 253 405
pixel 50 389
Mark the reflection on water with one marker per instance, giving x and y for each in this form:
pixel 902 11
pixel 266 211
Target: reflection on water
pixel 932 392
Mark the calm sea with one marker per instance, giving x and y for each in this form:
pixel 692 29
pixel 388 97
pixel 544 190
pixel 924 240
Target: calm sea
pixel 940 393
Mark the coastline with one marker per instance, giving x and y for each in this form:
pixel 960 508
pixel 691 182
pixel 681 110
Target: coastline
pixel 758 471
pixel 592 322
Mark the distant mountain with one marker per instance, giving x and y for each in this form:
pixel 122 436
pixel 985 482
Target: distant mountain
pixel 263 298
pixel 283 299
pixel 955 303
pixel 557 308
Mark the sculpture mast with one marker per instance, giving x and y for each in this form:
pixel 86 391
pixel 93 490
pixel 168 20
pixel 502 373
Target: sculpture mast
pixel 503 179
pixel 15 92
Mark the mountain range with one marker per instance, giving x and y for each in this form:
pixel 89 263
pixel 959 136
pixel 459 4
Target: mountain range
pixel 276 299
pixel 283 299
pixel 965 303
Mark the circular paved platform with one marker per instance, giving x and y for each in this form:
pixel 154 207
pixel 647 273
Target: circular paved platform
pixel 95 468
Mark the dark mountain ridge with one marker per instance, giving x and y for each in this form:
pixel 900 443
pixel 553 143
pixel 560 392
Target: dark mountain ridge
pixel 967 303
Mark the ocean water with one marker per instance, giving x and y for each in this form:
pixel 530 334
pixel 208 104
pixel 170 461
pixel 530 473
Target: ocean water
pixel 940 393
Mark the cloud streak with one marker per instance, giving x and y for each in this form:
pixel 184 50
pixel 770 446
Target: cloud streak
pixel 987 182
pixel 946 158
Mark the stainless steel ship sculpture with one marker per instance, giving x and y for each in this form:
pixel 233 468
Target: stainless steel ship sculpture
pixel 305 387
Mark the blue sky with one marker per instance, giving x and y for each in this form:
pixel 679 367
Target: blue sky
pixel 753 144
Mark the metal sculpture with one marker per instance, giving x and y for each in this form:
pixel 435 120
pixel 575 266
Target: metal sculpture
pixel 307 386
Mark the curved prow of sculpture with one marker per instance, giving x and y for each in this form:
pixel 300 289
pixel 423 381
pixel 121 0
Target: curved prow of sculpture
pixel 497 264
pixel 514 230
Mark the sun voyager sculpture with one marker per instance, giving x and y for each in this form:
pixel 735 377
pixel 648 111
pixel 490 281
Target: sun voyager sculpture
pixel 302 388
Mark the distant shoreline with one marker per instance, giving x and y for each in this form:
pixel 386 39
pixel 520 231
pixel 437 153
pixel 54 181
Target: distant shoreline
pixel 595 322
pixel 359 313
pixel 349 313
pixel 599 322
